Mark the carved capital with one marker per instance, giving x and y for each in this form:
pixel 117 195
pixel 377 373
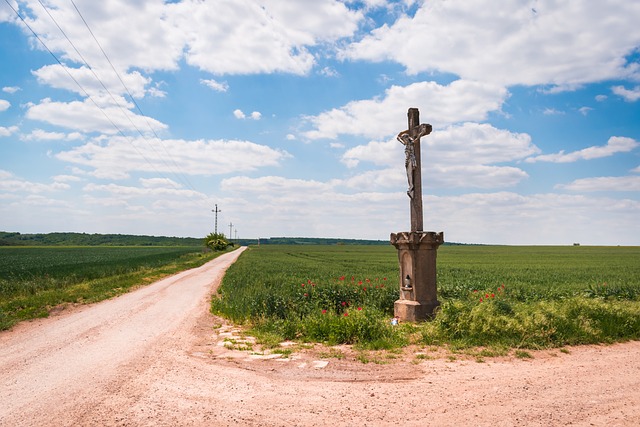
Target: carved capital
pixel 417 239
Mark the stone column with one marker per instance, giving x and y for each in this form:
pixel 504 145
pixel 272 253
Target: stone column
pixel 417 253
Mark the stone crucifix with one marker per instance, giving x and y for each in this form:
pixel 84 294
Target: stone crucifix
pixel 417 249
pixel 410 138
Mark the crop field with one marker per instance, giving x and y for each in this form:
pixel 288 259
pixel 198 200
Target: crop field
pixel 35 279
pixel 501 296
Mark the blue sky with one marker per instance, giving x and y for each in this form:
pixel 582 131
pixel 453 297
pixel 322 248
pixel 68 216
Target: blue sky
pixel 284 114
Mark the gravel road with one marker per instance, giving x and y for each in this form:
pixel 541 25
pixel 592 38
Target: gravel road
pixel 156 357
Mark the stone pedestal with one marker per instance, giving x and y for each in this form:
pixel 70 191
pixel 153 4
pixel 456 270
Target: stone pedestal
pixel 417 252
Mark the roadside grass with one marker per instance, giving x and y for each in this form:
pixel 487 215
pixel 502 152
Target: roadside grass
pixel 494 299
pixel 34 281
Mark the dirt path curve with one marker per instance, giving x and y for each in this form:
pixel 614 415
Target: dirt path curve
pixel 153 358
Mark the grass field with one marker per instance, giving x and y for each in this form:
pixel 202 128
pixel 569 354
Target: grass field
pixel 35 279
pixel 500 296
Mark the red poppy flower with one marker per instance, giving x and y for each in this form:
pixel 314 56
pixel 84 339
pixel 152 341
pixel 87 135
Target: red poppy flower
pixel 324 311
pixel 359 308
pixel 346 314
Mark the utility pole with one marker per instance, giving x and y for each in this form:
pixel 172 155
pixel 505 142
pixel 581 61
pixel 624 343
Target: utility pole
pixel 216 212
pixel 230 227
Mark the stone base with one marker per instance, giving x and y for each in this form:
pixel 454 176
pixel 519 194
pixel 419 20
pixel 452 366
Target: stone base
pixel 414 311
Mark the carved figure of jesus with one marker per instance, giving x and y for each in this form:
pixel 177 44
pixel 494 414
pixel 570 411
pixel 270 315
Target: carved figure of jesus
pixel 410 162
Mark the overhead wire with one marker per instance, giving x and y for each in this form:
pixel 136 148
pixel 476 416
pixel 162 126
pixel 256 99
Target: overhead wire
pixel 86 93
pixel 128 91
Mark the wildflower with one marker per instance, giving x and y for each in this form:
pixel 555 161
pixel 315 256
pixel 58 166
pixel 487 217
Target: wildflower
pixel 486 296
pixel 346 314
pixel 303 285
pixel 359 308
pixel 343 303
pixel 493 295
pixel 341 278
pixel 360 282
pixel 475 291
pixel 481 299
pixel 384 278
pixel 324 311
pixel 306 294
pixel 364 289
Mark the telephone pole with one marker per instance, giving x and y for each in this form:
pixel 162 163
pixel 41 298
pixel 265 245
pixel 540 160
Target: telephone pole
pixel 216 212
pixel 230 227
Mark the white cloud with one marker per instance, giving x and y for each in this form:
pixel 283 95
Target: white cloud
pixel 601 98
pixel 4 105
pixel 10 183
pixel 615 144
pixel 276 206
pixel 457 156
pixel 85 116
pixel 67 178
pixel 159 183
pixel 239 114
pixel 630 95
pixel 41 135
pixel 87 81
pixel 215 85
pixel 272 36
pixel 585 110
pixel 439 105
pixel 118 157
pixel 290 137
pixel 604 183
pixel 10 89
pixel 8 131
pixel 506 42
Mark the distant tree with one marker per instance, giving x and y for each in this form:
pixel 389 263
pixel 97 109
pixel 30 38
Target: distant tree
pixel 217 242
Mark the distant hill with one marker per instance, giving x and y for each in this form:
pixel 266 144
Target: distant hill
pixel 84 239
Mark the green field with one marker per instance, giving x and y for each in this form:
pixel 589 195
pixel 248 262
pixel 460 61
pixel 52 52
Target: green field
pixel 35 279
pixel 529 297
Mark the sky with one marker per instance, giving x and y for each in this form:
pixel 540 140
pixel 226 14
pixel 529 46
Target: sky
pixel 143 116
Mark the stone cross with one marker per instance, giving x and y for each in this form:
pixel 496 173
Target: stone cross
pixel 417 249
pixel 410 138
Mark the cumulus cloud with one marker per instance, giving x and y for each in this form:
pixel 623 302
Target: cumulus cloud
pixel 118 157
pixel 457 156
pixel 4 105
pixel 85 116
pixel 439 105
pixel 10 89
pixel 41 135
pixel 13 184
pixel 615 144
pixel 604 183
pixel 239 114
pixel 510 42
pixel 8 131
pixel 629 95
pixel 215 85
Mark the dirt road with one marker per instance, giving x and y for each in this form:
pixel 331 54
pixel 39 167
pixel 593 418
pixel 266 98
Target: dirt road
pixel 155 357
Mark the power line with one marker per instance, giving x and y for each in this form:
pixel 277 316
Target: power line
pixel 130 95
pixel 79 85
